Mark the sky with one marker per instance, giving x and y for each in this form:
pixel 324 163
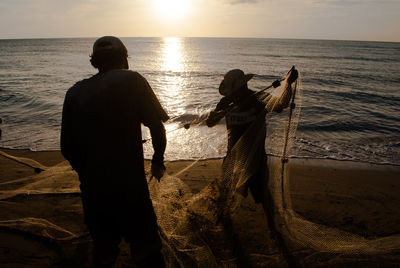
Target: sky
pixel 371 20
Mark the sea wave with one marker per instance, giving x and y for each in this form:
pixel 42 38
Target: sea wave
pixel 350 91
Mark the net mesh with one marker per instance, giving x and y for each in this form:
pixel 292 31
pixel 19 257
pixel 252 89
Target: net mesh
pixel 198 229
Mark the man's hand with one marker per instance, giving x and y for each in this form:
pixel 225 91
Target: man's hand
pixel 294 74
pixel 214 117
pixel 276 83
pixel 157 170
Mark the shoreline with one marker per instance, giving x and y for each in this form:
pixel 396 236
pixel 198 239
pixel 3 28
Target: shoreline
pixel 310 160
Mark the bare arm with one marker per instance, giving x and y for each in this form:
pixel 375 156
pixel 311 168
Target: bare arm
pixel 65 137
pixel 159 141
pixel 284 100
pixel 153 116
pixel 215 116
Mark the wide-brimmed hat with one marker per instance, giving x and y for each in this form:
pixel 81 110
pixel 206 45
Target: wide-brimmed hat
pixel 233 80
pixel 109 43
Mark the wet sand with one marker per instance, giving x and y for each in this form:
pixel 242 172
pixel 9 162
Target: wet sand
pixel 354 197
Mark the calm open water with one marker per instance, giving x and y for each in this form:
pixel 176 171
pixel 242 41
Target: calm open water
pixel 350 98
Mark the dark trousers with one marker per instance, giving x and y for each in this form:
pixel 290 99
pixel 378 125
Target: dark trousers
pixel 109 219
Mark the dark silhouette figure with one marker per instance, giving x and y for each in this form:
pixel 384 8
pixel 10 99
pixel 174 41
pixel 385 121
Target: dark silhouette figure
pixel 101 138
pixel 241 108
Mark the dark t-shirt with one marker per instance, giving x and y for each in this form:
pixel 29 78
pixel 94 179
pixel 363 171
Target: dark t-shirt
pixel 101 130
pixel 247 108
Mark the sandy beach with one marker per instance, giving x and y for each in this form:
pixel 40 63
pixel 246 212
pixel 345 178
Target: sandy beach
pixel 357 198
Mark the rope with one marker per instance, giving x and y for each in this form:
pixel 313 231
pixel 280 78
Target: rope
pixel 284 158
pixel 36 166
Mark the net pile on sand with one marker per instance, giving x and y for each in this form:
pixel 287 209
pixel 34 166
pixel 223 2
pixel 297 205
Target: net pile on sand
pixel 196 228
pixel 317 241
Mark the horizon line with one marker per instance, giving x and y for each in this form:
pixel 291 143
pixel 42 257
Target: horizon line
pixel 210 37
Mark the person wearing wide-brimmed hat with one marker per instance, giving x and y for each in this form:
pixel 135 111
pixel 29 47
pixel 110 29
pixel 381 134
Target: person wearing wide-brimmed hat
pixel 247 107
pixel 101 138
pixel 244 109
pixel 245 120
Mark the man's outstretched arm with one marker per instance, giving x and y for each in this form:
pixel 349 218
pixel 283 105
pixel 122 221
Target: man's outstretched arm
pixel 215 116
pixel 284 100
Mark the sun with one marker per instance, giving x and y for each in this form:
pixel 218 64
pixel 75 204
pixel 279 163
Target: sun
pixel 172 9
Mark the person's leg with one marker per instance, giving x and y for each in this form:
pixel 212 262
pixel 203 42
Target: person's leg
pixel 146 248
pixel 258 183
pixel 143 237
pixel 105 250
pixel 148 257
pixel 104 231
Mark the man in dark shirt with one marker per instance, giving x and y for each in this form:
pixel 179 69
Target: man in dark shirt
pixel 101 138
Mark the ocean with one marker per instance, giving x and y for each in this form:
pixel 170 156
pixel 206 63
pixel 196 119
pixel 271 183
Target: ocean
pixel 350 98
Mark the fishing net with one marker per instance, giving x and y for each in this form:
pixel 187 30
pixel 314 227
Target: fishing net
pixel 198 229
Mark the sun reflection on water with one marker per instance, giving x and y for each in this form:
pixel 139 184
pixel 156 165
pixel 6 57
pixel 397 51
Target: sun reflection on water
pixel 172 59
pixel 172 53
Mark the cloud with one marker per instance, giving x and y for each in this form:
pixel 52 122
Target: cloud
pixel 354 2
pixel 234 2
